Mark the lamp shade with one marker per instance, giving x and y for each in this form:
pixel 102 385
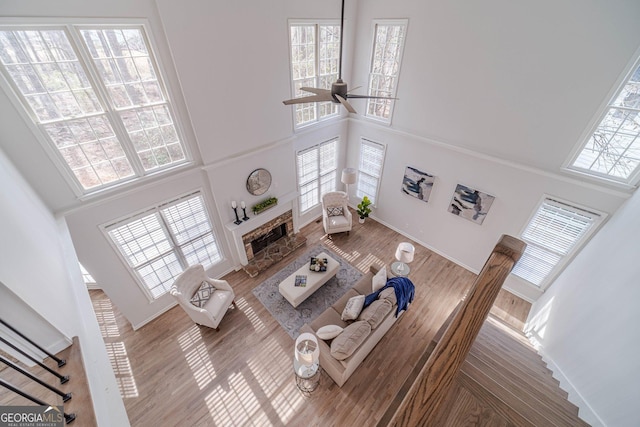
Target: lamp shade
pixel 348 176
pixel 307 351
pixel 404 252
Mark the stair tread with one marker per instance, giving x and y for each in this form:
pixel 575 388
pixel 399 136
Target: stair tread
pixel 516 402
pixel 542 392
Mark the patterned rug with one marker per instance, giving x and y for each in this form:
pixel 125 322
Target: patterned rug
pixel 292 319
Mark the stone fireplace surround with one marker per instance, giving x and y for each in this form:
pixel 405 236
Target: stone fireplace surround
pixel 257 225
pixel 286 219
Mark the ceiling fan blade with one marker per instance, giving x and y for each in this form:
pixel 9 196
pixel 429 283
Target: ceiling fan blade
pixel 312 98
pixel 368 97
pixel 316 90
pixel 346 104
pixel 357 87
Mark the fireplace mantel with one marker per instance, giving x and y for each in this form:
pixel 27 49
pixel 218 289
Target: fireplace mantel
pixel 236 231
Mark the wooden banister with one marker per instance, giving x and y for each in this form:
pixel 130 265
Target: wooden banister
pixel 424 399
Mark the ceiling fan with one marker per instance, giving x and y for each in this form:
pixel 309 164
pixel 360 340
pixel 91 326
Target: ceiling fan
pixel 338 93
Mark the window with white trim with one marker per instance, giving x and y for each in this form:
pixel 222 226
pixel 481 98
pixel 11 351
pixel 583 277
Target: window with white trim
pixel 97 97
pixel 316 173
pixel 160 243
pixel 613 149
pixel 554 234
pixel 386 56
pixel 315 54
pixel 370 169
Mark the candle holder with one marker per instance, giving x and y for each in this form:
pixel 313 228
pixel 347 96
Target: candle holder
pixel 244 211
pixel 235 210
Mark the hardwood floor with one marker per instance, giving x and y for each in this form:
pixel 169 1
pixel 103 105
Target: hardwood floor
pixel 173 372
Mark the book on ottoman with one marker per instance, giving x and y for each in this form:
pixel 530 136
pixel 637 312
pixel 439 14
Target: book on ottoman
pixel 301 280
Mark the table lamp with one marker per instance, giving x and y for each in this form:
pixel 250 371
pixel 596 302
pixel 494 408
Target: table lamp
pixel 404 255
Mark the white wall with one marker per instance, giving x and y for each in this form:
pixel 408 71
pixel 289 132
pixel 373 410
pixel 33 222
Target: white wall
pixel 39 267
pixel 517 191
pixel 516 80
pixel 97 255
pixel 587 323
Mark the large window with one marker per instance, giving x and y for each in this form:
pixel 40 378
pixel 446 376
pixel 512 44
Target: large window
pixel 317 173
pixel 553 235
pixel 370 168
pixel 386 57
pixel 97 96
pixel 315 53
pixel 613 150
pixel 160 243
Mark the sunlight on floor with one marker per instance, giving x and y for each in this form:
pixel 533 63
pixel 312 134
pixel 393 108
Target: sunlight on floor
pixel 117 351
pixel 242 304
pixel 197 356
pixel 367 262
pixel 347 256
pixel 106 318
pixel 276 380
pixel 241 400
pixel 122 369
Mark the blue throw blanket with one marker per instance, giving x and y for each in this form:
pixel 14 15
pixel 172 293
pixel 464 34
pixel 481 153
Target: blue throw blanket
pixel 404 292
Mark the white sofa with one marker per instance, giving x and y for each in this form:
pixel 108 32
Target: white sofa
pixel 341 370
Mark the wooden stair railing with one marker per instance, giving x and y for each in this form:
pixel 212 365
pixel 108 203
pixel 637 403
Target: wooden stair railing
pixel 421 404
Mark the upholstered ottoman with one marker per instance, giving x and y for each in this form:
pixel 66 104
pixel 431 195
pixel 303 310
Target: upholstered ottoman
pixel 315 279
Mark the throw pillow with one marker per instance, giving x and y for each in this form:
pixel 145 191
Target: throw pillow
pixel 379 280
pixel 329 332
pixel 335 211
pixel 376 312
pixel 350 339
pixel 389 294
pixel 202 295
pixel 353 308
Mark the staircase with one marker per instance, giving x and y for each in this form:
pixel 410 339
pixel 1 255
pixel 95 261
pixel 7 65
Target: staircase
pixel 505 382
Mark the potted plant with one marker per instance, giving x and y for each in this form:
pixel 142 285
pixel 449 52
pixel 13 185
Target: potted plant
pixel 363 209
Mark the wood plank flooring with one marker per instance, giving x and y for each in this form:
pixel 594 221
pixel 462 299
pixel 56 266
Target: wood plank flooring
pixel 172 372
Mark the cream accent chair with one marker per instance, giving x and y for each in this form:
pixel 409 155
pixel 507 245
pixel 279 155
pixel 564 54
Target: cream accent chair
pixel 339 223
pixel 215 308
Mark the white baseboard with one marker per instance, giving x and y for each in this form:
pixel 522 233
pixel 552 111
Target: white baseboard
pixel 585 411
pixel 154 316
pixel 432 249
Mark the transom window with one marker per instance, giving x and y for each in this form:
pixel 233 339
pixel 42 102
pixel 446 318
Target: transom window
pixel 315 53
pixel 370 168
pixel 388 45
pixel 163 241
pixel 553 235
pixel 316 173
pixel 613 150
pixel 97 95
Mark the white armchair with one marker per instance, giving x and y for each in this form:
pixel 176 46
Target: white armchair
pixel 214 308
pixel 336 217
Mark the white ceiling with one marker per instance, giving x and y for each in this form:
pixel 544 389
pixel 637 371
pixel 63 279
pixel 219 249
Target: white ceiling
pixel 520 81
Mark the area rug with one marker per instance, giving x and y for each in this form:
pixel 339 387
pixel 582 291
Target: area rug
pixel 292 319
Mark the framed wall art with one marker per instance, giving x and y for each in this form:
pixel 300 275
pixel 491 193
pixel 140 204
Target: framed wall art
pixel 417 184
pixel 470 203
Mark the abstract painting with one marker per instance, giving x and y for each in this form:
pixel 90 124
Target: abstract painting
pixel 417 184
pixel 470 203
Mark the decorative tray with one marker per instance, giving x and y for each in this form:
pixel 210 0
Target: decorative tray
pixel 318 264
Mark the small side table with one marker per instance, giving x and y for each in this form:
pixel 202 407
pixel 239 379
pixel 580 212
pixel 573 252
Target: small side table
pixel 400 273
pixel 307 377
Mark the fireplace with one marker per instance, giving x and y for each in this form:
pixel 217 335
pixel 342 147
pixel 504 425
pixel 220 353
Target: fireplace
pixel 269 237
pixel 267 234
